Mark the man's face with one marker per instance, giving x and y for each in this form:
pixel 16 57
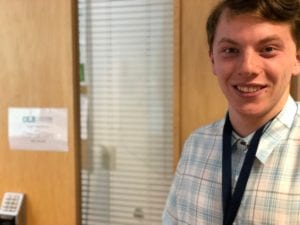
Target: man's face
pixel 254 60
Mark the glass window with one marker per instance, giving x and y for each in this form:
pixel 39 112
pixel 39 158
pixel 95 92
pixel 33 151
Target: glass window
pixel 126 74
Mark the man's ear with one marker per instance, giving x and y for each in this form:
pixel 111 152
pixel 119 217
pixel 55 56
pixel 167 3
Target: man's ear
pixel 211 57
pixel 296 69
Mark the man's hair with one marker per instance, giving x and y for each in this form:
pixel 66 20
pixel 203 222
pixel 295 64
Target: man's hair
pixel 279 11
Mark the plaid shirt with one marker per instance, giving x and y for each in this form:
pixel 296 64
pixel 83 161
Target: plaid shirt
pixel 272 195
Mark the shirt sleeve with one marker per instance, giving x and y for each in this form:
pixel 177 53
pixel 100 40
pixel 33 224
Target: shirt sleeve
pixel 171 215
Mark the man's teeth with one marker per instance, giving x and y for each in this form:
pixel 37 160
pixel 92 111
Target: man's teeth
pixel 248 89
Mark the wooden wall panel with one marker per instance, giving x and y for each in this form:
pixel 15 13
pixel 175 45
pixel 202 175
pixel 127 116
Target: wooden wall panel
pixel 198 99
pixel 38 62
pixel 295 88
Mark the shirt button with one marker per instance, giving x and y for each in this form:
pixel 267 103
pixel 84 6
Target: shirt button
pixel 243 142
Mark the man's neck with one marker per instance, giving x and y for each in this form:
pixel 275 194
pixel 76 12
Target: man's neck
pixel 246 125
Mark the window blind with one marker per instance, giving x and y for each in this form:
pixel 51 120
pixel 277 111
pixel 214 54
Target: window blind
pixel 126 49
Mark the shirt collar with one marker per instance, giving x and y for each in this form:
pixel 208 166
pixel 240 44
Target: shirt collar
pixel 277 131
pixel 236 137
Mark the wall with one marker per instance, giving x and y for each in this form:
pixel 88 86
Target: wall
pixel 198 99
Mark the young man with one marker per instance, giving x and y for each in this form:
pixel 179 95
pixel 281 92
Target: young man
pixel 245 169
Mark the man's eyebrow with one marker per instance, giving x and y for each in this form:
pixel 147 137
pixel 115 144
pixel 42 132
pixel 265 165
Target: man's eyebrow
pixel 227 40
pixel 262 41
pixel 270 39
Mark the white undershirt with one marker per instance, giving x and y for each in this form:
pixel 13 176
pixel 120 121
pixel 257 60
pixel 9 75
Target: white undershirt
pixel 239 150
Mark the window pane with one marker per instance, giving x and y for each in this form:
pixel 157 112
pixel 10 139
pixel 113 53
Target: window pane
pixel 126 52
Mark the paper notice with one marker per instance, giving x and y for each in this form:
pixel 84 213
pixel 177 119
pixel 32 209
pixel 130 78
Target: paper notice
pixel 44 129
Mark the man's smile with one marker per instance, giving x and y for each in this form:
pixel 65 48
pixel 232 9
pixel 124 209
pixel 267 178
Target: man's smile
pixel 249 88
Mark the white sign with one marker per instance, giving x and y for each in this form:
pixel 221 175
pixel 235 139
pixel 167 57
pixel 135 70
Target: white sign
pixel 38 129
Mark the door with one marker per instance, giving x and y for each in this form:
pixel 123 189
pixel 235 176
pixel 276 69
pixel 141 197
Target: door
pixel 38 61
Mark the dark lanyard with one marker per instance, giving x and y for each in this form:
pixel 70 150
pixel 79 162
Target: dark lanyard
pixel 232 202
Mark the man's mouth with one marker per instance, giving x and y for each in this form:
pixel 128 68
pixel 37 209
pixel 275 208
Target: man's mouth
pixel 249 89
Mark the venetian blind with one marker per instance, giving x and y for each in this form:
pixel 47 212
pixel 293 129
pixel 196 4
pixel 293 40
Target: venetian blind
pixel 126 50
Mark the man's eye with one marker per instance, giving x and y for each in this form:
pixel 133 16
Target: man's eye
pixel 268 49
pixel 230 50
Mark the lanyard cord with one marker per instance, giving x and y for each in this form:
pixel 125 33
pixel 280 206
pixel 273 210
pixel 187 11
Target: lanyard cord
pixel 232 202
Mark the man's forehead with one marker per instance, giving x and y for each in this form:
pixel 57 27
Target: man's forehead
pixel 245 20
pixel 233 28
pixel 230 15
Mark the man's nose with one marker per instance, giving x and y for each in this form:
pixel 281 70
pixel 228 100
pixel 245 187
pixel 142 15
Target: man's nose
pixel 248 63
